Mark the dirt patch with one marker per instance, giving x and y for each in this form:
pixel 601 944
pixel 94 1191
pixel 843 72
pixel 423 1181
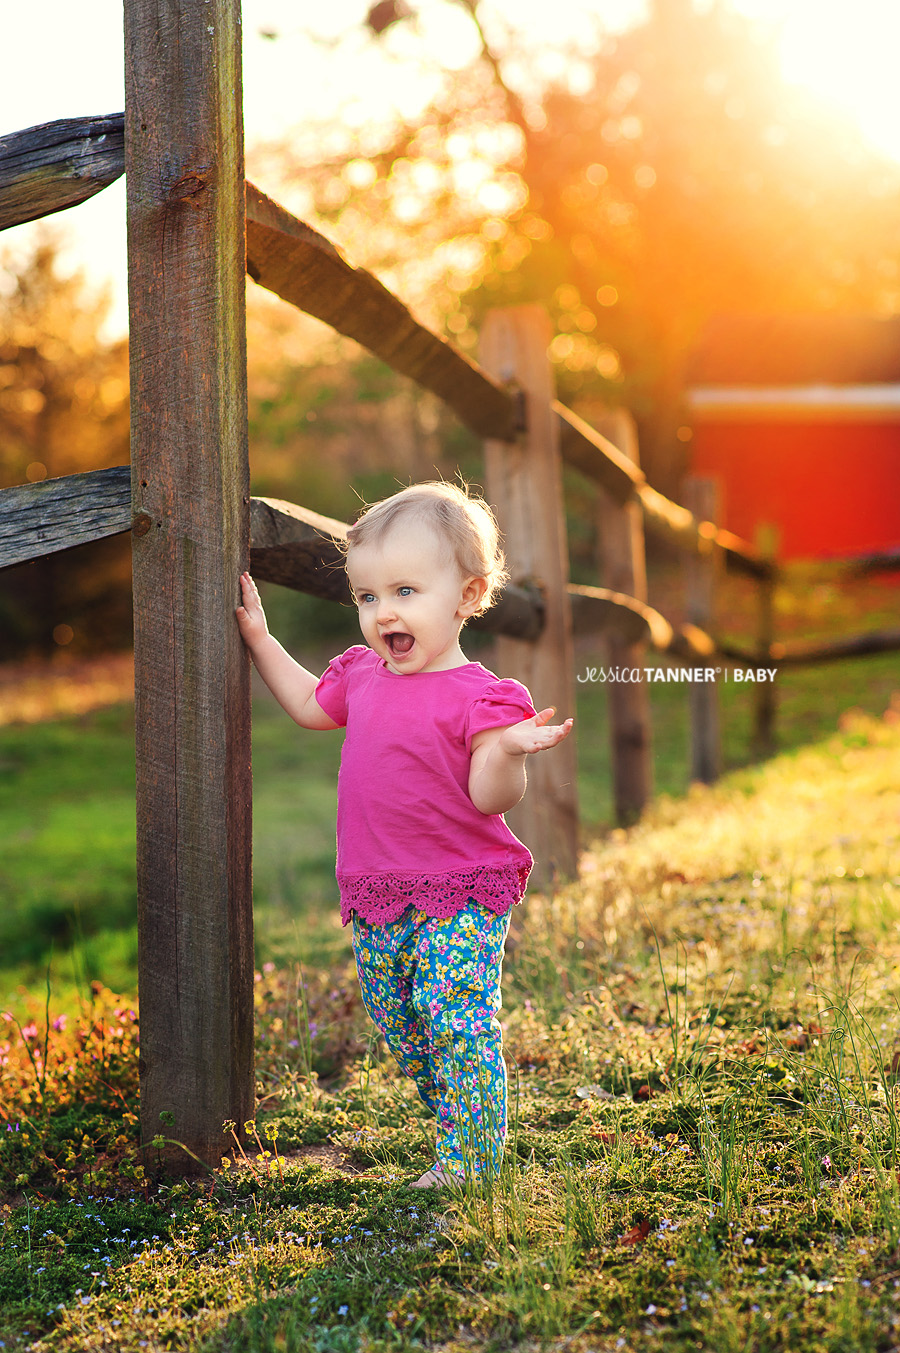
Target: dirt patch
pixel 324 1153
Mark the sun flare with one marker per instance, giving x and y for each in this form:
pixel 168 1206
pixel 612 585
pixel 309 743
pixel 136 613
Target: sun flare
pixel 848 55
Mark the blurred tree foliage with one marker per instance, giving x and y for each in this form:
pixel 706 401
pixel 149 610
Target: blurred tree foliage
pixel 330 425
pixel 63 409
pixel 638 188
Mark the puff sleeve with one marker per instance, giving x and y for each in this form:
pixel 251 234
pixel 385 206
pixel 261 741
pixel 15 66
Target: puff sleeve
pixel 502 703
pixel 331 692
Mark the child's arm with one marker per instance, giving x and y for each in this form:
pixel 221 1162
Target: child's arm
pixel 497 773
pixel 293 687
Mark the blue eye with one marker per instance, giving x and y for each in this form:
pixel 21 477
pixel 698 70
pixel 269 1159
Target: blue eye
pixel 405 591
pixel 365 597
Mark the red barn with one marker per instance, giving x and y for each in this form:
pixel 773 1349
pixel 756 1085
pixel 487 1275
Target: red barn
pixel 798 417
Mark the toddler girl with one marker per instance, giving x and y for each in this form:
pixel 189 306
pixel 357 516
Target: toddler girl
pixel 434 754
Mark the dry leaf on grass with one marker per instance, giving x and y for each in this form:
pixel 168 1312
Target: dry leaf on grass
pixel 638 1232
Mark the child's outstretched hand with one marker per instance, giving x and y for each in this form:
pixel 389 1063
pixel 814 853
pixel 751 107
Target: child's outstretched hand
pixel 535 734
pixel 251 617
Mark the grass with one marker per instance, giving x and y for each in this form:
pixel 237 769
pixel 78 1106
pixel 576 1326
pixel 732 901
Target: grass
pixel 67 868
pixel 702 1037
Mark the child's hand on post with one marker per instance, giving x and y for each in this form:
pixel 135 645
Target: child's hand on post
pixel 535 734
pixel 292 685
pixel 251 617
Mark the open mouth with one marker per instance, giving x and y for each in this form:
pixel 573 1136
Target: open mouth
pixel 399 643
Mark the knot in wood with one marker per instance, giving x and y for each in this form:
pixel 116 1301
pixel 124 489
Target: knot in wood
pixel 189 186
pixel 141 524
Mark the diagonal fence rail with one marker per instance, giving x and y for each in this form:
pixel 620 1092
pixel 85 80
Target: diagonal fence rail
pixel 303 267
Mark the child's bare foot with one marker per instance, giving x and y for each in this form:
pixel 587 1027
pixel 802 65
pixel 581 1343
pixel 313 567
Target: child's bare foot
pixel 435 1178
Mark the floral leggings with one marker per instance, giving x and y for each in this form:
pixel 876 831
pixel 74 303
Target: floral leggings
pixel 432 986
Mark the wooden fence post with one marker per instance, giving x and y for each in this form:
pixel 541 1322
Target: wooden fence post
pixel 623 568
pixel 701 496
pixel 523 481
pixel 765 704
pixel 190 486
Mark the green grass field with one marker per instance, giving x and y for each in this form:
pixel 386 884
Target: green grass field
pixel 705 1139
pixel 702 1033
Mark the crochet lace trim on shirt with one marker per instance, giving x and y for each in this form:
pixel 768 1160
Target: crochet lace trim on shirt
pixel 378 898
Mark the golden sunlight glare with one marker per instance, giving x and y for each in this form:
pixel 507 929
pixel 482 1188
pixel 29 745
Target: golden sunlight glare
pixel 848 55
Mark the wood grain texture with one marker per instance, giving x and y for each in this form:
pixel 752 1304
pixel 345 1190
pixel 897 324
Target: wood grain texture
pixel 303 267
pixel 290 545
pixel 56 165
pixel 186 251
pixel 57 514
pixel 298 548
pixel 524 486
pixel 621 558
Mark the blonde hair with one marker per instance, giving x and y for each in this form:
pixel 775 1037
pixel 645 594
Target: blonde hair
pixel 466 523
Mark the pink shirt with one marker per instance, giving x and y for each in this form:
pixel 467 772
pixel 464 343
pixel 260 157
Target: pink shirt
pixel 407 832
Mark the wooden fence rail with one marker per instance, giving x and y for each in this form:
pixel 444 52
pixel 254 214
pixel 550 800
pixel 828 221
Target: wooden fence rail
pixel 299 548
pixel 304 268
pixel 56 514
pixel 48 168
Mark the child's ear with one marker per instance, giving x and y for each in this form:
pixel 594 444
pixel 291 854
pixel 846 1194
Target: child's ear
pixel 472 596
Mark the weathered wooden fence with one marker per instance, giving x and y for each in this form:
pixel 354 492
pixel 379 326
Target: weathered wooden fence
pixel 194 227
